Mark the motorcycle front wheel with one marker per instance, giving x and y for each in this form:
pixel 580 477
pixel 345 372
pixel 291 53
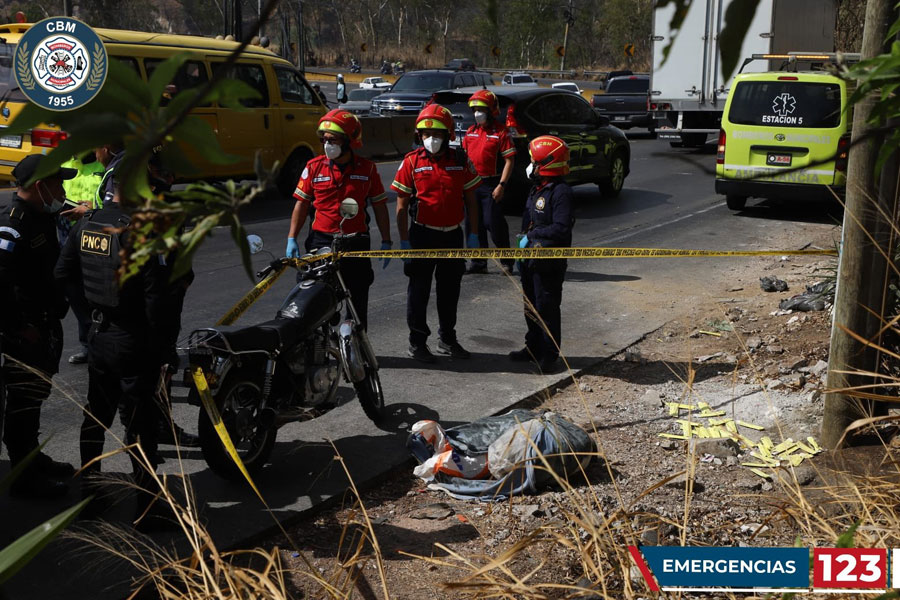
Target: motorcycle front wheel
pixel 369 391
pixel 238 403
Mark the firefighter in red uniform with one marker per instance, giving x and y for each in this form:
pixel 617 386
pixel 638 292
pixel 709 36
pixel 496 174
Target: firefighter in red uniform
pixel 436 187
pixel 325 182
pixel 492 152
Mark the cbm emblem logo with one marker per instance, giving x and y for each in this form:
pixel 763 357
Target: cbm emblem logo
pixel 60 64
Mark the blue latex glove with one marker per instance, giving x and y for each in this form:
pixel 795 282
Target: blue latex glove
pixel 472 241
pixel 405 245
pixel 523 243
pixel 385 246
pixel 292 250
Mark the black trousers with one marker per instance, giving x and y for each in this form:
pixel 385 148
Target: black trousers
pixel 542 286
pixel 81 310
pixel 447 275
pixel 26 390
pixel 120 373
pixel 357 272
pixel 490 220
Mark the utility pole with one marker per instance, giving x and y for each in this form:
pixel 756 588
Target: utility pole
pixel 237 18
pixel 301 59
pixel 569 14
pixel 67 8
pixel 863 271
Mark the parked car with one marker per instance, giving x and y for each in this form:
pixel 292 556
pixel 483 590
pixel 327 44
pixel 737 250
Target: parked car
pixel 360 100
pixel 460 64
pixel 625 102
pixel 523 79
pixel 600 153
pixel 569 86
pixel 374 83
pixel 411 91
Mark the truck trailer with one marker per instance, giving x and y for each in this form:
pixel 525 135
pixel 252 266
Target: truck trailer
pixel 687 86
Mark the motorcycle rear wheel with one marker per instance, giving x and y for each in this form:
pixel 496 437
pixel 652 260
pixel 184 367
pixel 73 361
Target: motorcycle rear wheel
pixel 237 402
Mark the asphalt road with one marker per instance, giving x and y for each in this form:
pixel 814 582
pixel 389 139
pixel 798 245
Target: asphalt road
pixel 668 202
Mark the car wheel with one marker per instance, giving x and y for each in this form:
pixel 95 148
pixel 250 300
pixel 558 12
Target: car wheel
pixel 736 202
pixel 612 185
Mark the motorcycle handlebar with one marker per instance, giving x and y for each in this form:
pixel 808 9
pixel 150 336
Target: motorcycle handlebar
pixel 275 264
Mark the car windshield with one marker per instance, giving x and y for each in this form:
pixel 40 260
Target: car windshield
pixel 423 82
pixel 628 85
pixel 522 79
pixel 787 104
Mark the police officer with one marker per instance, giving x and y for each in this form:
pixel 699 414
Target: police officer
pixel 127 341
pixel 33 305
pixel 81 192
pixel 436 186
pixel 325 182
pixel 492 153
pixel 109 155
pixel 547 223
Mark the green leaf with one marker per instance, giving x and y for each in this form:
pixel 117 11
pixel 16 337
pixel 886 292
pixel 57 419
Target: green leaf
pixel 239 235
pixel 738 17
pixel 194 238
pixel 163 74
pixel 229 93
pixel 16 555
pixel 196 132
pixel 845 540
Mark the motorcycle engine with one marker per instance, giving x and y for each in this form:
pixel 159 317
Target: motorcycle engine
pixel 318 383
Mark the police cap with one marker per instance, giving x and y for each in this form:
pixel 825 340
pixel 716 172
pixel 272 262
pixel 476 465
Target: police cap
pixel 28 166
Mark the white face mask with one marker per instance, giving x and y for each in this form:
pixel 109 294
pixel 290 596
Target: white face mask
pixel 529 170
pixel 55 205
pixel 480 117
pixel 332 150
pixel 433 144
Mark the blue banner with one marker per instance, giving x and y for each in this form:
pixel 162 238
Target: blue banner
pixel 680 566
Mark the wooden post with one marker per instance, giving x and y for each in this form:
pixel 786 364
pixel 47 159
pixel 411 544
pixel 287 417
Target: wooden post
pixel 863 270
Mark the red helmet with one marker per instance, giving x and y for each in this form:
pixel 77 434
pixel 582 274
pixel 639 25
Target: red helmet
pixel 435 116
pixel 550 154
pixel 343 122
pixel 487 99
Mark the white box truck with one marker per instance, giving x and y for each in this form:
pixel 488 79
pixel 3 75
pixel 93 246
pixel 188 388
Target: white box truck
pixel 687 87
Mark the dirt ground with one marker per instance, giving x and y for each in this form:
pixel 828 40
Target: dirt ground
pixel 730 347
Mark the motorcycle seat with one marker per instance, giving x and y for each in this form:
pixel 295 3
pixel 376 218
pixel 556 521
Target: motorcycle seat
pixel 270 336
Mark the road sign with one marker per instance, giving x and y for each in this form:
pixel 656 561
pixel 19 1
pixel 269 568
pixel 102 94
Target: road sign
pixel 363 46
pixel 560 50
pixel 495 50
pixel 427 48
pixel 629 49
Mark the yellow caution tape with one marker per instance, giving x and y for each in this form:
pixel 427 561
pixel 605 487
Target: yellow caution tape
pixel 560 253
pixel 216 418
pixel 504 253
pixel 247 301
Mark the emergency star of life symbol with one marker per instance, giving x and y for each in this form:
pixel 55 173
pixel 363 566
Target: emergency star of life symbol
pixel 784 104
pixel 61 63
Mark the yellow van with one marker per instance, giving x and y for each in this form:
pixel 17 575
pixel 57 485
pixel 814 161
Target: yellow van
pixel 281 125
pixel 784 135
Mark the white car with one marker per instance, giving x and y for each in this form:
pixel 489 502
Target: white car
pixel 520 79
pixel 569 86
pixel 374 83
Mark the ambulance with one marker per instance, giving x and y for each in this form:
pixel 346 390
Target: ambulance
pixel 785 134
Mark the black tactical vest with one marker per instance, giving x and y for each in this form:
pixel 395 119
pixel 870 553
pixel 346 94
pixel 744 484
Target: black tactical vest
pixel 99 246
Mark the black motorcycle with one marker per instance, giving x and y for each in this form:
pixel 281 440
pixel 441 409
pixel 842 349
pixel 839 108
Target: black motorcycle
pixel 287 369
pixel 354 67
